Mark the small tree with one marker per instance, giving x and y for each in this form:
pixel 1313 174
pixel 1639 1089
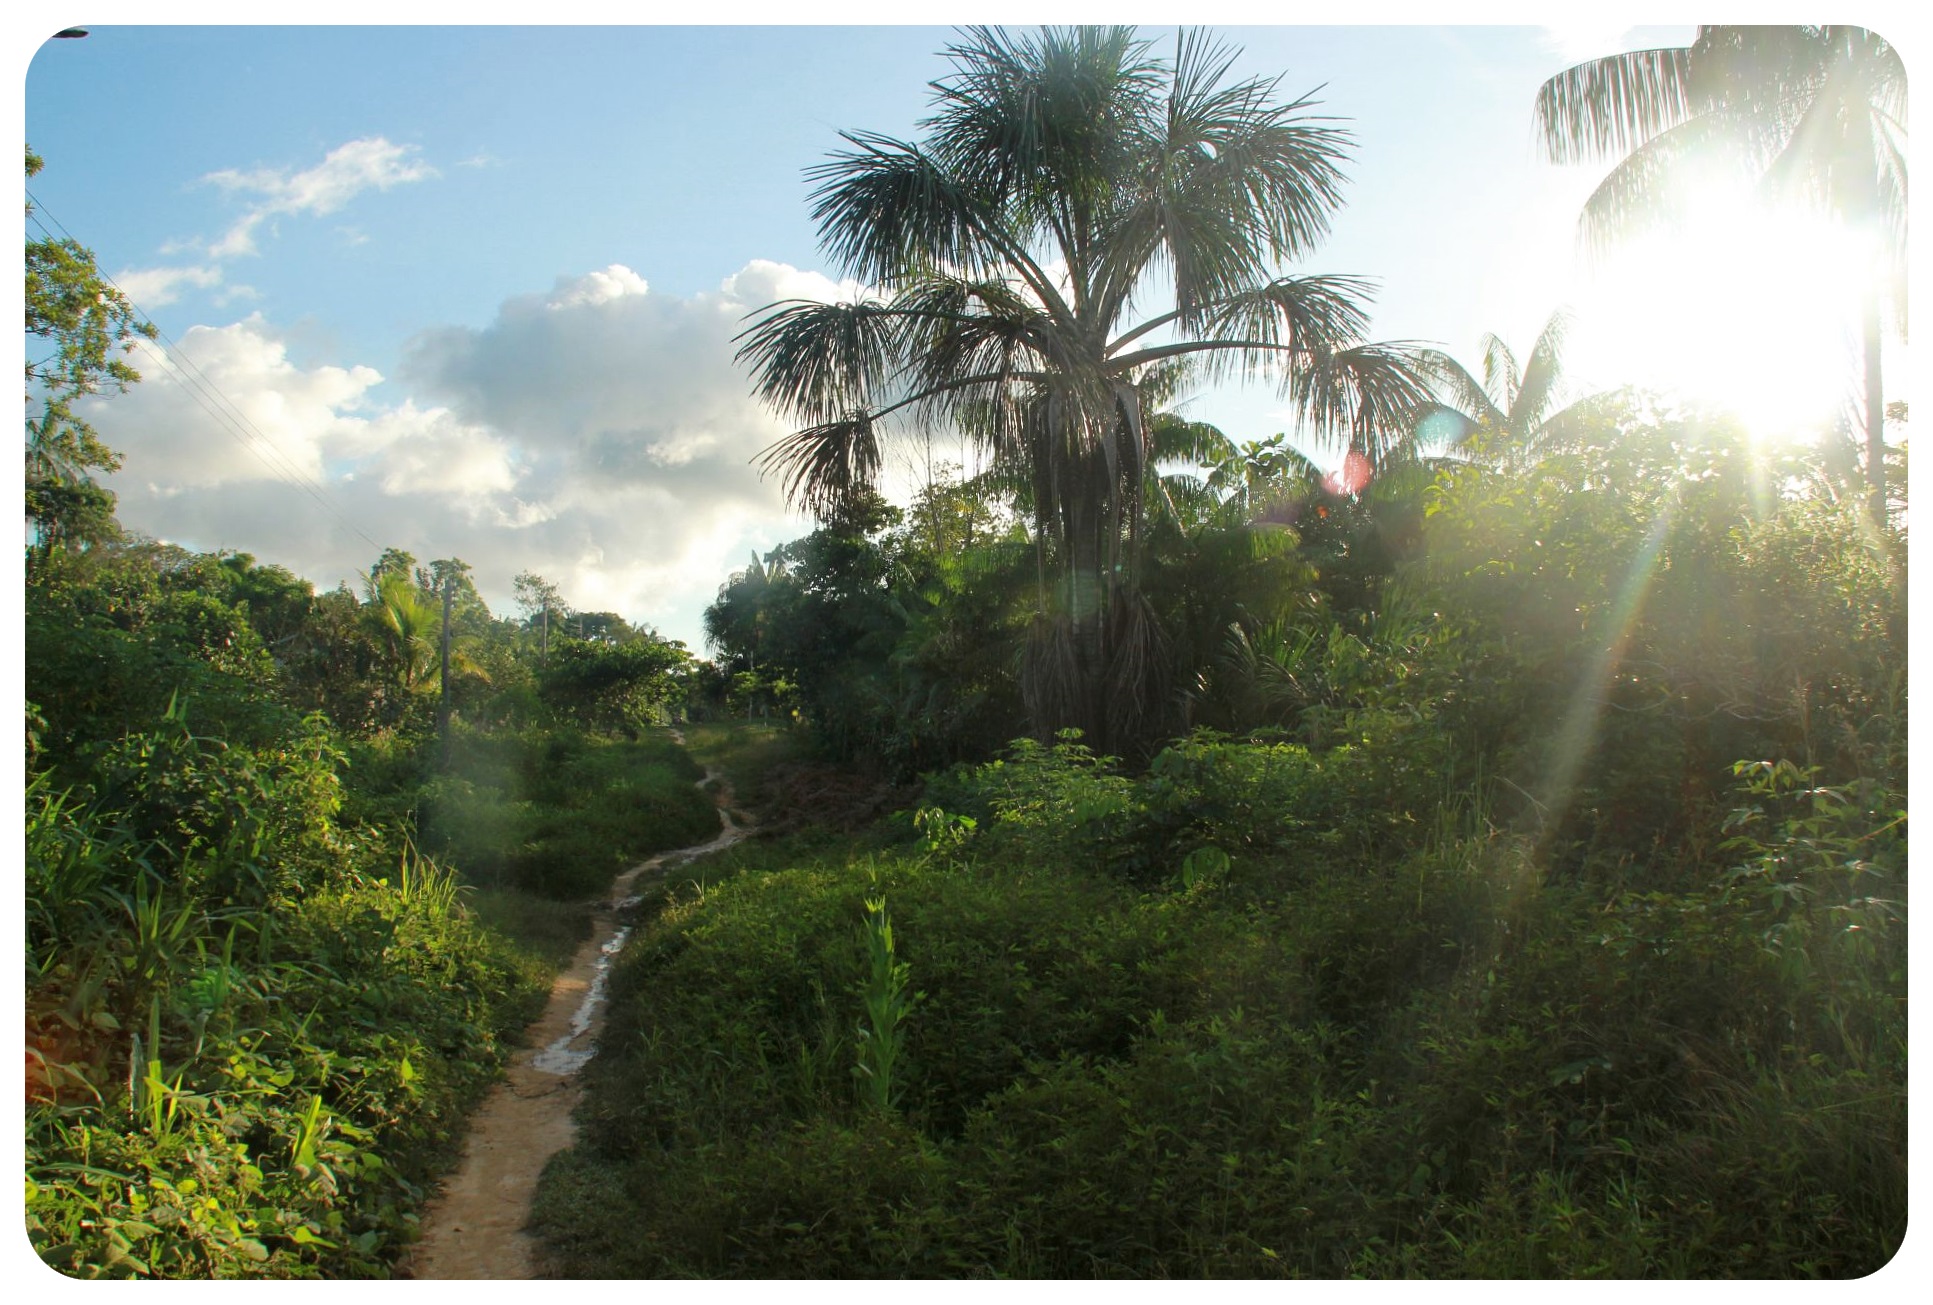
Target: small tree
pixel 88 322
pixel 613 687
pixel 541 603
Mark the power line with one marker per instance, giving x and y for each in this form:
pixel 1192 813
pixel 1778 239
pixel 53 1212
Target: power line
pixel 183 371
pixel 235 423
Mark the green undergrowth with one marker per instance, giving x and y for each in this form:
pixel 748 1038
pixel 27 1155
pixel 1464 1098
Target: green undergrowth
pixel 1231 1018
pixel 257 1021
pixel 745 754
pixel 253 1031
pixel 556 814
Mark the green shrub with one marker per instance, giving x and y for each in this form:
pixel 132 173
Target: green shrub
pixel 229 1094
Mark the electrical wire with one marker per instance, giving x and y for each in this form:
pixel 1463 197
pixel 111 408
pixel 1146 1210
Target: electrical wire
pixel 183 371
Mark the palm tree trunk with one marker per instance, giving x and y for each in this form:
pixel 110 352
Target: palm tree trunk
pixel 1875 407
pixel 443 678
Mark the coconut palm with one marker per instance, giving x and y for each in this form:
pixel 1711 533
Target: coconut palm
pixel 1509 411
pixel 1817 113
pixel 407 621
pixel 1079 214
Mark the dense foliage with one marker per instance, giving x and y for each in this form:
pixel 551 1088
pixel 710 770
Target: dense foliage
pixel 257 1009
pixel 1545 917
pixel 1475 864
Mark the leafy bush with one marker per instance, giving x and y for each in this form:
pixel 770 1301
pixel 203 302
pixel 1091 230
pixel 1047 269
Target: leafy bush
pixel 219 1089
pixel 1370 1040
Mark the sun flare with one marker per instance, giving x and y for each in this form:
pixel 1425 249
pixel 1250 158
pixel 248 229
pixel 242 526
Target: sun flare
pixel 1742 307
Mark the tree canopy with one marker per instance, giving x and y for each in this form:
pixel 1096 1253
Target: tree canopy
pixel 88 324
pixel 1080 217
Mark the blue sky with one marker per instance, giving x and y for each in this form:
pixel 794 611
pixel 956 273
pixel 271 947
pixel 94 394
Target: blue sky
pixel 475 287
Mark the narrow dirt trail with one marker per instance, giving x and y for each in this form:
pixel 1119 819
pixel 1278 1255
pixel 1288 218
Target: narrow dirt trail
pixel 474 1228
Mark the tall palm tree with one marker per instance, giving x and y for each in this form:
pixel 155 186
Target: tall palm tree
pixel 1079 214
pixel 1510 411
pixel 1818 113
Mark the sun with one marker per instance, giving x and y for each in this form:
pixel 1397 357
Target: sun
pixel 1743 306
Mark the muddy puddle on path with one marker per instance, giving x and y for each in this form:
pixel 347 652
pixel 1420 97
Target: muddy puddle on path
pixel 474 1227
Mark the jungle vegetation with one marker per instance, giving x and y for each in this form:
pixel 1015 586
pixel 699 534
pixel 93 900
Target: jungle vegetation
pixel 1487 859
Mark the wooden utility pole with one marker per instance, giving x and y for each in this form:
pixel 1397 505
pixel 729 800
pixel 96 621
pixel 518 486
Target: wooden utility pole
pixel 443 706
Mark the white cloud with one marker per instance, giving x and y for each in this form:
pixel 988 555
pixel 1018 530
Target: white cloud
pixel 614 282
pixel 152 287
pixel 761 282
pixel 410 450
pixel 597 433
pixel 347 171
pixel 229 408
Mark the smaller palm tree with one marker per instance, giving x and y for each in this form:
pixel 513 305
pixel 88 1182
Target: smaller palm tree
pixel 408 623
pixel 1512 411
pixel 1259 473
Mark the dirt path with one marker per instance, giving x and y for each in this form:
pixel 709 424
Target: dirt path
pixel 474 1227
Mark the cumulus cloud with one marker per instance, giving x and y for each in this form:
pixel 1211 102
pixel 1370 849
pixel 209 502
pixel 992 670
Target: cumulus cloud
pixel 347 171
pixel 154 286
pixel 597 433
pixel 227 406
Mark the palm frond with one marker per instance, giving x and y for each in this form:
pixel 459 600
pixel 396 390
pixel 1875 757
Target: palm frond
pixel 1369 397
pixel 1272 329
pixel 823 466
pixel 1038 122
pixel 1239 184
pixel 816 360
pixel 1465 397
pixel 1637 195
pixel 884 206
pixel 958 329
pixel 1836 155
pixel 1311 314
pixel 1173 438
pixel 1612 105
pixel 1499 372
pixel 1538 386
